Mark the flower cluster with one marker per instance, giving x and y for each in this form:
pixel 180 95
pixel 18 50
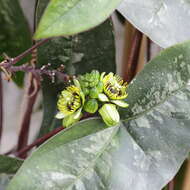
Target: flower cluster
pixel 90 93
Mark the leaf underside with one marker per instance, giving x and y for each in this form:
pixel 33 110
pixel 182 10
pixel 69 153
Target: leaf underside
pixel 165 22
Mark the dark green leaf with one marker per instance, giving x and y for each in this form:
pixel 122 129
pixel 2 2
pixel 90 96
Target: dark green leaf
pixel 180 177
pixel 80 54
pixel 80 130
pixel 142 154
pixel 65 17
pixel 14 34
pixel 9 165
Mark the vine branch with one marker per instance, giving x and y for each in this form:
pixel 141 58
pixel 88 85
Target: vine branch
pixel 148 55
pixel 171 185
pixel 38 142
pixel 8 66
pixel 21 153
pixel 31 95
pixel 44 70
pixel 1 107
pixel 12 61
pixel 133 56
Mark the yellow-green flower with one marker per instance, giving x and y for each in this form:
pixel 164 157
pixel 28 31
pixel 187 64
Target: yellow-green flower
pixel 69 101
pixel 114 86
pixel 93 92
pixel 70 105
pixel 114 90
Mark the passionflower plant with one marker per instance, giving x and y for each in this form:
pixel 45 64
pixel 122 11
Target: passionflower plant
pixel 114 86
pixel 70 104
pixel 90 93
pixel 114 91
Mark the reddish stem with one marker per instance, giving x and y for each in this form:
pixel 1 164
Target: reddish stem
pixel 28 51
pixel 133 56
pixel 41 71
pixel 41 140
pixel 148 56
pixel 32 92
pixel 171 185
pixel 38 142
pixel 1 107
pixel 11 61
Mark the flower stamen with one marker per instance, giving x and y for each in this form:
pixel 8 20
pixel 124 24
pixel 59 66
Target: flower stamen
pixel 114 87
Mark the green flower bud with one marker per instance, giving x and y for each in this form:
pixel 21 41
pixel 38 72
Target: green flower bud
pixel 85 91
pixel 100 87
pixel 109 114
pixel 86 84
pixel 92 84
pixel 89 79
pixel 94 93
pixel 82 84
pixel 81 78
pixel 95 74
pixel 91 106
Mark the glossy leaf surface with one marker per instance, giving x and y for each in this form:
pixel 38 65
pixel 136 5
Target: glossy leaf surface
pixel 79 54
pixel 14 33
pixel 166 22
pixel 9 165
pixel 66 17
pixel 4 180
pixel 143 153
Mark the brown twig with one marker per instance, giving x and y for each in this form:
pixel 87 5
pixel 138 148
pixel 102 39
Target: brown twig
pixel 8 65
pixel 171 185
pixel 1 107
pixel 41 140
pixel 41 71
pixel 148 55
pixel 31 93
pixel 38 142
pixel 133 56
pixel 12 61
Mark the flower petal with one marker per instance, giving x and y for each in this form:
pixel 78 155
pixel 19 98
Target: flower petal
pixel 103 98
pixel 77 114
pixel 82 97
pixel 60 115
pixel 120 103
pixel 71 119
pixel 102 76
pixel 76 82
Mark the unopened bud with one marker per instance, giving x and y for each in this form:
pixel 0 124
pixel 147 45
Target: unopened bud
pixel 91 106
pixel 109 114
